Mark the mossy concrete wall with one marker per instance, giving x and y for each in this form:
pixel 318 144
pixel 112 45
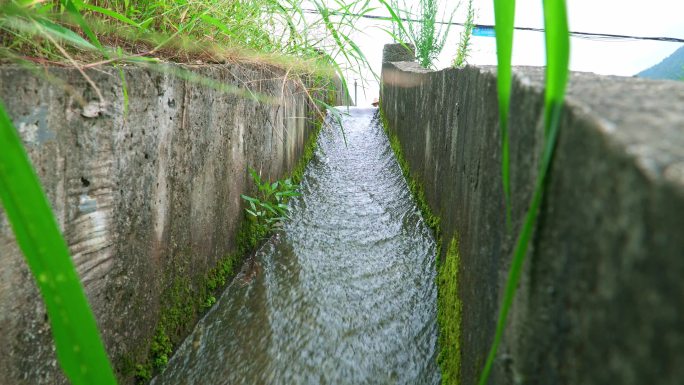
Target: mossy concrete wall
pixel 148 200
pixel 601 300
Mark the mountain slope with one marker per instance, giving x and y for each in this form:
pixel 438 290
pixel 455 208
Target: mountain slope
pixel 672 67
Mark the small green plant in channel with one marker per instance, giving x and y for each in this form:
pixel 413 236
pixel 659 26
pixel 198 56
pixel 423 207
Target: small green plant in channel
pixel 269 209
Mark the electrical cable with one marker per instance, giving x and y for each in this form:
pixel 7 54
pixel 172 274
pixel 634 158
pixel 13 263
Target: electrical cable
pixel 582 35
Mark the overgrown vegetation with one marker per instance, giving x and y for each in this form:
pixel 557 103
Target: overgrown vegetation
pixel 208 30
pixel 87 34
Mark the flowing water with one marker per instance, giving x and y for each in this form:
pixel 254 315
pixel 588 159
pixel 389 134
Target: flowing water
pixel 345 294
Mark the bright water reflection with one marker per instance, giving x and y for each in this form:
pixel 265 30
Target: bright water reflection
pixel 344 295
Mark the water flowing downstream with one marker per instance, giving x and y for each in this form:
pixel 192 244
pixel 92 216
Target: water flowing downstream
pixel 345 294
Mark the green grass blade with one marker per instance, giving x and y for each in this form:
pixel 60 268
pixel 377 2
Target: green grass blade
pixel 216 23
pixel 124 89
pixel 395 18
pixel 110 13
pixel 73 7
pixel 79 348
pixel 557 59
pixel 504 15
pixel 64 34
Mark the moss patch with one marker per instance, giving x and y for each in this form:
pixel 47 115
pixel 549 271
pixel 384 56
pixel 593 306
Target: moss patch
pixel 449 309
pixel 448 303
pixel 184 301
pixel 308 153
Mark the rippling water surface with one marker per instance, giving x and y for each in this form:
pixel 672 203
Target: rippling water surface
pixel 345 294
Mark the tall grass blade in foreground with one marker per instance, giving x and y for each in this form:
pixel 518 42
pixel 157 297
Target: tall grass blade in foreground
pixel 79 348
pixel 504 16
pixel 557 60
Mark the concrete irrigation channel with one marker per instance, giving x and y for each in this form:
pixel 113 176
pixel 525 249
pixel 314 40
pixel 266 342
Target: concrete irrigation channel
pixel 344 294
pixel 348 291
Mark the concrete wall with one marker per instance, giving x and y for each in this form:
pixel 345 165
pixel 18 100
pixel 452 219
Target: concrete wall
pixel 145 200
pixel 601 300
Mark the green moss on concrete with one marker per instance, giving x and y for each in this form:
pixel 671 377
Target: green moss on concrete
pixel 449 309
pixel 308 153
pixel 184 301
pixel 415 187
pixel 448 302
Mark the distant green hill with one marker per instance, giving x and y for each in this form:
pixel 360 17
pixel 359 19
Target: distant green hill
pixel 672 67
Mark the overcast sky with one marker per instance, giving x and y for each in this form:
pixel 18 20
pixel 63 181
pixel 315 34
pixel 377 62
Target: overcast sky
pixel 615 57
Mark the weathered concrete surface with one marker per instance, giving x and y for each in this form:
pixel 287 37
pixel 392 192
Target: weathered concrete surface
pixel 398 52
pixel 601 300
pixel 145 200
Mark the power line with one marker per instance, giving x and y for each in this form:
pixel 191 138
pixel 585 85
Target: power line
pixel 583 35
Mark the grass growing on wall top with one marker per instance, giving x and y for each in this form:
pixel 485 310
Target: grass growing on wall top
pixel 464 44
pixel 428 35
pixel 91 33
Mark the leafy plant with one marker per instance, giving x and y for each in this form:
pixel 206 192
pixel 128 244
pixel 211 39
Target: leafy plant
pixel 557 60
pixel 449 310
pixel 464 43
pixel 79 348
pixel 269 209
pixel 428 38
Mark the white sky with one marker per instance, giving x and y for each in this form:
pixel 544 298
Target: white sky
pixel 615 57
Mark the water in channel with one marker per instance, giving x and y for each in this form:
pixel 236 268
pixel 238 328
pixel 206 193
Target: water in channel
pixel 344 294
